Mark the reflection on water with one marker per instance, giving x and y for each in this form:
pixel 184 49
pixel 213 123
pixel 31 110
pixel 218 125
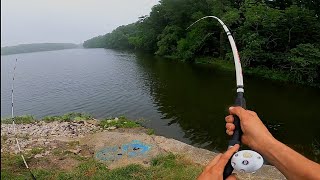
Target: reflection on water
pixel 197 97
pixel 179 100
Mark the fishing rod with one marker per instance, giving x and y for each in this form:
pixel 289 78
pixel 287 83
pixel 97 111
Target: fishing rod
pixel 14 124
pixel 246 160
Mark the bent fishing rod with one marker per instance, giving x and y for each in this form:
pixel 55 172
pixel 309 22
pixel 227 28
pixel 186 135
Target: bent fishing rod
pixel 14 124
pixel 248 161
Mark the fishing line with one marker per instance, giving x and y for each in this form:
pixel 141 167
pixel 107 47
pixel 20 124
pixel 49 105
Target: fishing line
pixel 14 124
pixel 235 53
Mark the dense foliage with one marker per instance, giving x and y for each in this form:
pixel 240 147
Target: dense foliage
pixel 272 35
pixel 26 48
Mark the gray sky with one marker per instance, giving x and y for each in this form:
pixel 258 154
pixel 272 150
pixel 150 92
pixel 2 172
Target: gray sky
pixel 74 21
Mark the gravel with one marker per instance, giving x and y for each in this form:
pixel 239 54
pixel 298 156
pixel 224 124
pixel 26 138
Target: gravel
pixel 42 133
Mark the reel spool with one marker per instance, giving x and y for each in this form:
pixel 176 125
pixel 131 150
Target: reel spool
pixel 246 161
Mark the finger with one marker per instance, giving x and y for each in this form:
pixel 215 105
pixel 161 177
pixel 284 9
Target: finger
pixel 231 177
pixel 226 156
pixel 229 119
pixel 230 126
pixel 237 111
pixel 214 161
pixel 230 133
pixel 252 113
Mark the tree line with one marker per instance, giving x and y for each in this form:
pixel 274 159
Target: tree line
pixel 279 38
pixel 36 47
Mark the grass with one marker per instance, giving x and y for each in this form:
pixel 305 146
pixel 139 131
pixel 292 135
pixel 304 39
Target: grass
pixel 73 116
pixel 162 167
pixel 23 136
pixel 57 152
pixel 269 74
pixel 150 131
pixel 37 150
pixel 4 137
pixel 12 167
pixel 26 119
pixel 262 72
pixel 73 144
pixel 258 71
pixel 218 63
pixel 120 122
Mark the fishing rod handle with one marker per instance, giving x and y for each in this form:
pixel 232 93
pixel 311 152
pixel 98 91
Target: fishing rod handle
pixel 237 133
pixel 236 137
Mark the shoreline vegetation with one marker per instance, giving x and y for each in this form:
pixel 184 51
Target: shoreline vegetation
pixel 277 39
pixel 66 147
pixel 37 47
pixel 265 73
pixel 106 123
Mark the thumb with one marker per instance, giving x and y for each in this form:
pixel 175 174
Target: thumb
pixel 236 111
pixel 231 177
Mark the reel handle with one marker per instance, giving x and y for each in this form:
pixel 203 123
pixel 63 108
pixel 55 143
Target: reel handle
pixel 236 137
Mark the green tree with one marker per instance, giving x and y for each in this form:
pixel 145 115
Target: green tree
pixel 167 40
pixel 304 63
pixel 273 35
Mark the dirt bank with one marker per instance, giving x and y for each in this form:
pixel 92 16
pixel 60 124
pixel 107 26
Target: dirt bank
pixel 64 145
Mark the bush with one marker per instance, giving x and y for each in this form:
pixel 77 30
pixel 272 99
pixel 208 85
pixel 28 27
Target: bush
pixel 305 63
pixel 121 122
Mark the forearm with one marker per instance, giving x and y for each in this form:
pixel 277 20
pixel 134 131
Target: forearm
pixel 290 163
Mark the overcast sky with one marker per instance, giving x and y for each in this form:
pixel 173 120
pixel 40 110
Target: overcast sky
pixel 71 21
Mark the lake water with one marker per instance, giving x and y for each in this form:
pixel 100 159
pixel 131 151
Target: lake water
pixel 179 100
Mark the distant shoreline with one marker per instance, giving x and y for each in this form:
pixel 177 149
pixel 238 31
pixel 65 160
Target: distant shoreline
pixel 37 47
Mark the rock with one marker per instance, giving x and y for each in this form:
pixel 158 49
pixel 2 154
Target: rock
pixel 45 131
pixel 75 124
pixel 116 119
pixel 69 126
pixel 81 122
pixel 22 145
pixel 55 128
pixel 111 128
pixel 77 151
pixel 145 162
pixel 94 122
pixel 38 156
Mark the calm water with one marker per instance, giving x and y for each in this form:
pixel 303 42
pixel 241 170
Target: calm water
pixel 181 101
